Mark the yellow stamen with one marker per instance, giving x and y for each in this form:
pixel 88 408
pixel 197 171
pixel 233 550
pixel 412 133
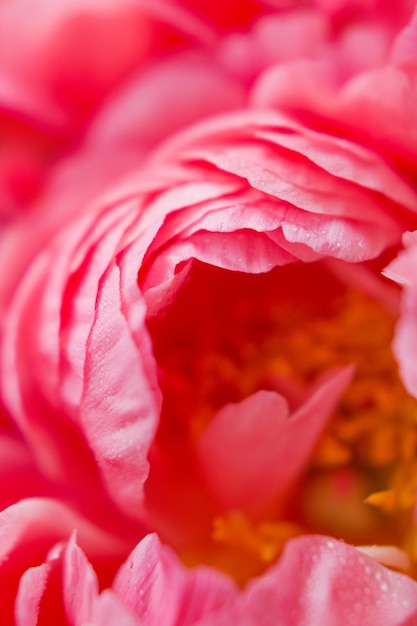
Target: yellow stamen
pixel 361 481
pixel 264 540
pixel 386 501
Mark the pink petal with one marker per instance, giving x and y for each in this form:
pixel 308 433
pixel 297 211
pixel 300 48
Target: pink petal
pixel 110 610
pixel 254 450
pixel 41 588
pixel 289 177
pixel 53 56
pixel 317 184
pixel 243 250
pixel 375 108
pixel 80 586
pixel 44 362
pixel 402 268
pixel 31 589
pixel 30 528
pixel 404 49
pixel 136 116
pixel 323 581
pixel 403 271
pixel 153 572
pixel 148 575
pixel 121 396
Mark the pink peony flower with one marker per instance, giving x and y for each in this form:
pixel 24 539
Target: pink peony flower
pixel 202 420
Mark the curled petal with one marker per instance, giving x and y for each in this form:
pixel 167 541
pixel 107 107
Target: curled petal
pixel 29 529
pixel 80 586
pixel 153 572
pixel 254 450
pixel 323 581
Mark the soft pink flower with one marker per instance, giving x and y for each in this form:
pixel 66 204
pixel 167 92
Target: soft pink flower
pixel 184 314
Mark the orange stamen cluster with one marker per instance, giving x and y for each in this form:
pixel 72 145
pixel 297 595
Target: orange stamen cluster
pixel 361 481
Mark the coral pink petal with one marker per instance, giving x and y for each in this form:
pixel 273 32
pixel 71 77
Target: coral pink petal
pixel 45 520
pixel 31 589
pixel 116 388
pixel 148 575
pixel 75 288
pixel 319 184
pixel 289 150
pixel 153 572
pixel 30 528
pixel 194 86
pixel 205 591
pixel 275 38
pixel 109 610
pixel 405 341
pixel 402 270
pixel 323 581
pixel 254 450
pixel 404 50
pixel 377 108
pixel 64 55
pixel 289 177
pixel 243 250
pixel 80 586
pixel 40 589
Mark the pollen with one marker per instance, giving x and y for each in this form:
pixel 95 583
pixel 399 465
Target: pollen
pixel 260 543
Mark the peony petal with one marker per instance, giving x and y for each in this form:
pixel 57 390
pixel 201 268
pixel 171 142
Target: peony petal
pixel 376 108
pixel 402 270
pixel 323 581
pixel 40 588
pixel 405 45
pixel 254 450
pixel 52 55
pixel 80 586
pixel 31 589
pixel 109 610
pixel 27 532
pixel 195 87
pixel 153 572
pixel 148 575
pixel 243 250
pixel 116 388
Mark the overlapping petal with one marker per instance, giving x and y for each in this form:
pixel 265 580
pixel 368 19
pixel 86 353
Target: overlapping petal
pixel 325 174
pixel 319 580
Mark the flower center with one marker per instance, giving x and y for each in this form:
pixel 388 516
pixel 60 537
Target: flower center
pixel 229 335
